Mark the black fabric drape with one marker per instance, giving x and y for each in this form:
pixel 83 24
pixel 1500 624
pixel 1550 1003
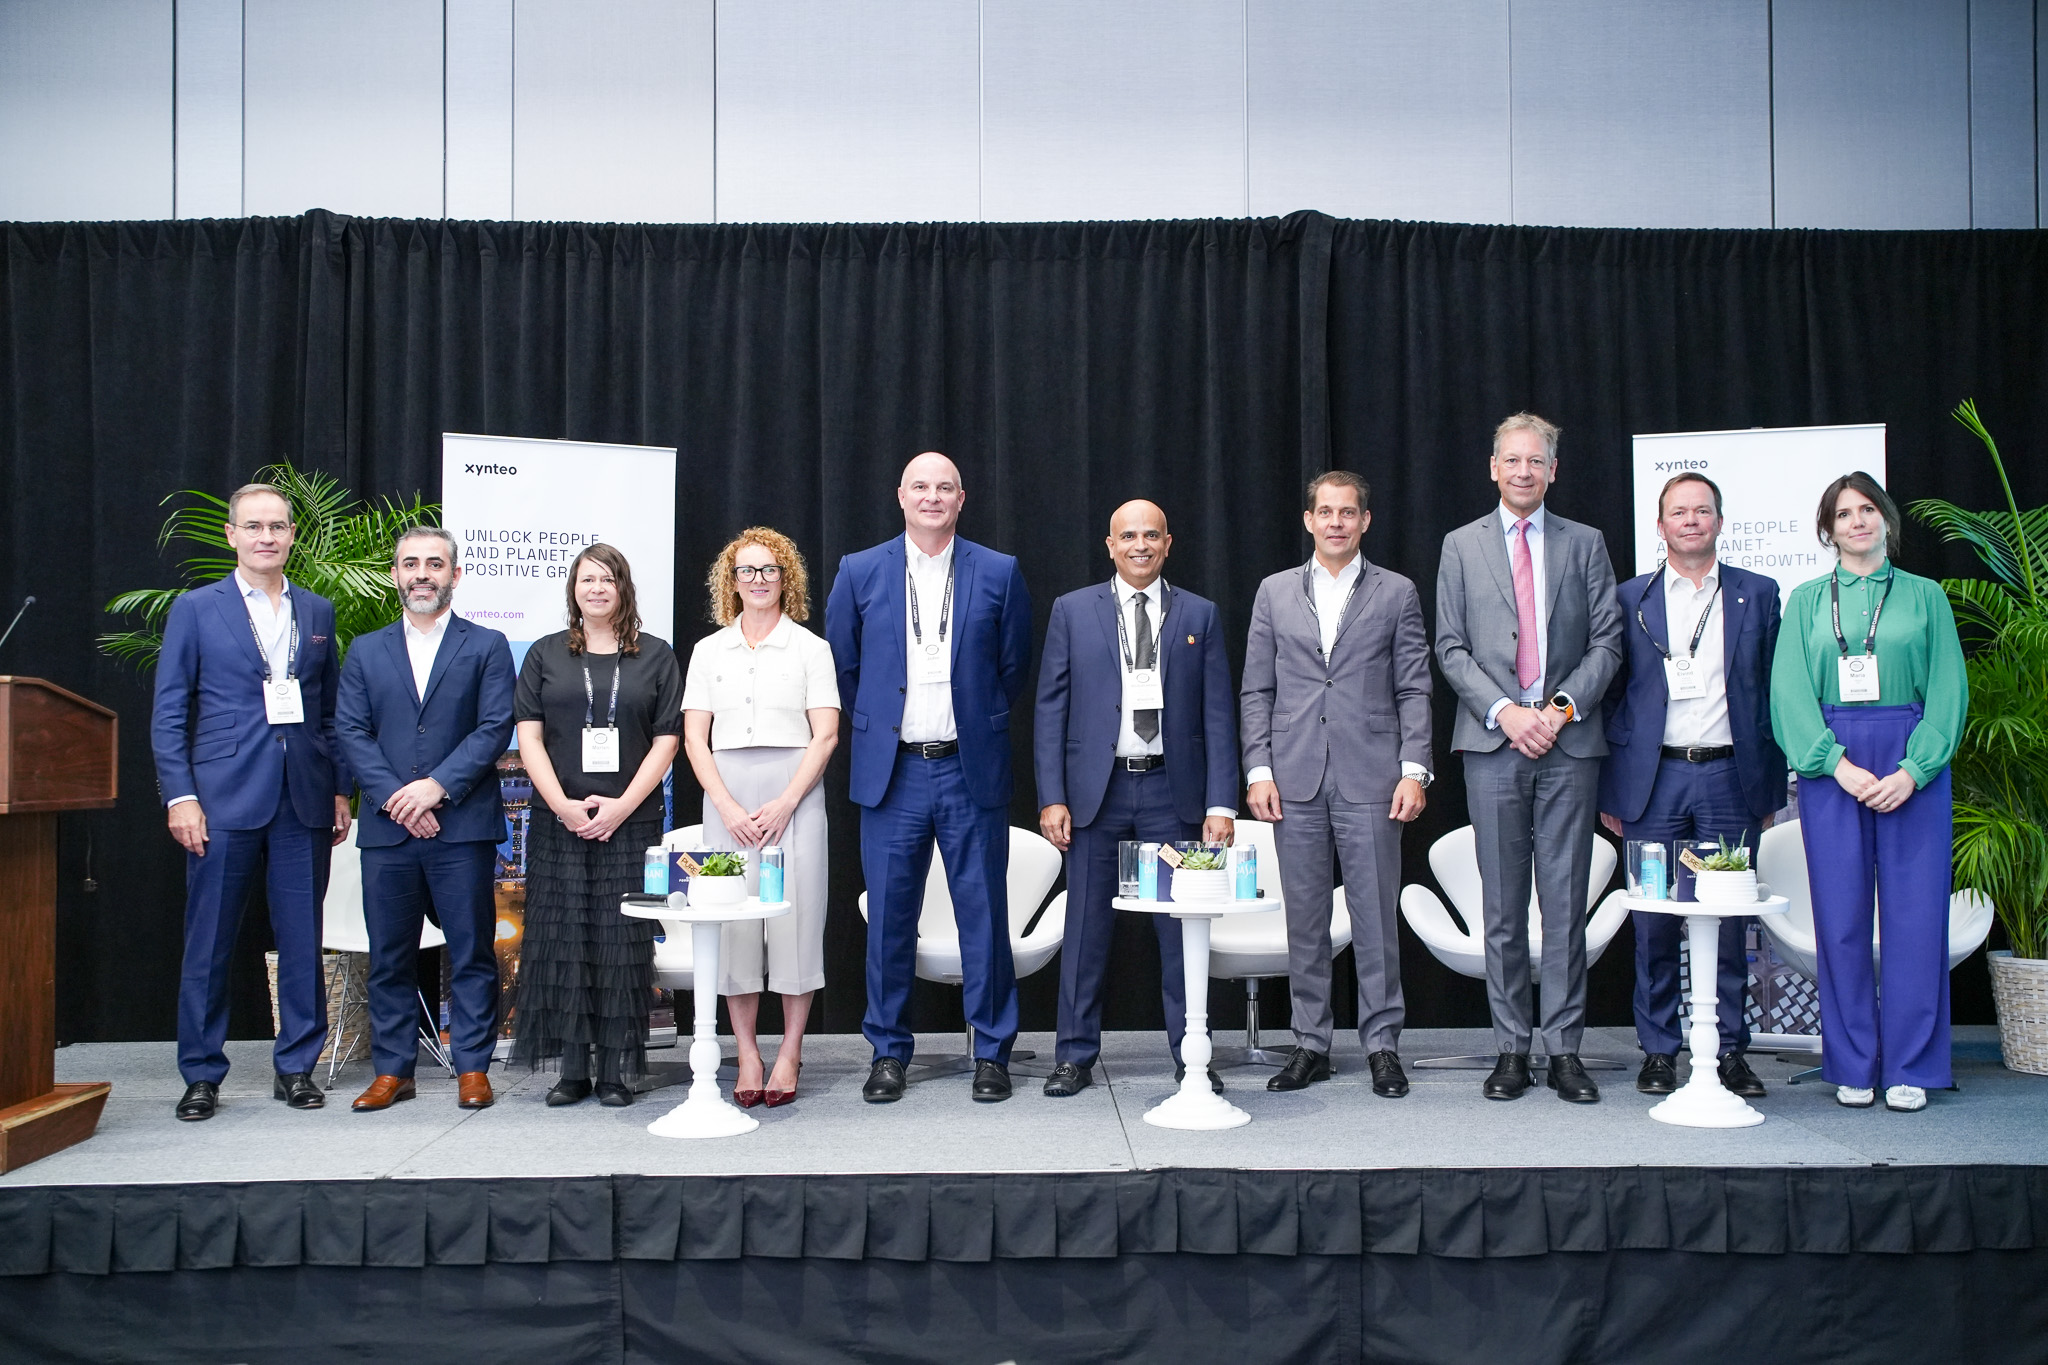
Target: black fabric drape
pixel 1210 366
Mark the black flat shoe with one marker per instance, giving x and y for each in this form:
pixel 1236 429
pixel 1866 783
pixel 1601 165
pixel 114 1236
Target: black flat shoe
pixel 991 1082
pixel 1304 1068
pixel 297 1090
pixel 885 1082
pixel 1659 1075
pixel 1510 1077
pixel 1068 1078
pixel 1567 1076
pixel 612 1095
pixel 201 1099
pixel 1736 1075
pixel 1180 1073
pixel 568 1092
pixel 1388 1080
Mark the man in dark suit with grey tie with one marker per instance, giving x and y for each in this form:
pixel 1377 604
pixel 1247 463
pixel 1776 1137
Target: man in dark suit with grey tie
pixel 1529 636
pixel 1336 726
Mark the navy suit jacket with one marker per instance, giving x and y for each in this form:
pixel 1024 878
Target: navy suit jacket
pixel 865 622
pixel 207 727
pixel 455 735
pixel 1636 697
pixel 1080 704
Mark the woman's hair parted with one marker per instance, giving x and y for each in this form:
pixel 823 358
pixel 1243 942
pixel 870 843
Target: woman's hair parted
pixel 1859 482
pixel 796 584
pixel 625 616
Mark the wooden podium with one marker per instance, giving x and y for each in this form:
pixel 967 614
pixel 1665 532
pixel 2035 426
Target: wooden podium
pixel 57 753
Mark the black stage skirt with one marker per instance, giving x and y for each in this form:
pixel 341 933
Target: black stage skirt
pixel 586 972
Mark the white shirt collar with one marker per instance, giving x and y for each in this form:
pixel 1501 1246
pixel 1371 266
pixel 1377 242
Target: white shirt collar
pixel 1348 572
pixel 919 557
pixel 1674 580
pixel 249 589
pixel 777 637
pixel 1125 592
pixel 439 627
pixel 1508 519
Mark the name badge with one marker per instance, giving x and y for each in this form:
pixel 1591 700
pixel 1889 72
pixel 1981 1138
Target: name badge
pixel 1142 690
pixel 1857 675
pixel 282 704
pixel 600 748
pixel 931 661
pixel 1684 679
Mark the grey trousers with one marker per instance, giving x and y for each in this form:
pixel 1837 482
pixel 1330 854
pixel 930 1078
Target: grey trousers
pixel 1539 812
pixel 1367 844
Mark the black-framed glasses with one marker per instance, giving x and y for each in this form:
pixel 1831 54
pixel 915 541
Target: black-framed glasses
pixel 767 573
pixel 257 528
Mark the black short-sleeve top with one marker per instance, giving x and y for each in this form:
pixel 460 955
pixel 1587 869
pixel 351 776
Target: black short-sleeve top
pixel 650 703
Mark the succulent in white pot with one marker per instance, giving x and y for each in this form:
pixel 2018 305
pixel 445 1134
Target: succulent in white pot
pixel 1725 877
pixel 1203 874
pixel 721 880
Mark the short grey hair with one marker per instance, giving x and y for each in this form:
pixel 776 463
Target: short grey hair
pixel 415 532
pixel 249 490
pixel 1529 421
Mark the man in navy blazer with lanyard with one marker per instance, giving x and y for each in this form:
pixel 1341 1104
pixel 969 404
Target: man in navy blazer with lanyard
pixel 1136 739
pixel 1690 752
pixel 243 733
pixel 931 634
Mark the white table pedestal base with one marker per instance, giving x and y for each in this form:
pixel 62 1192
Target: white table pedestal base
pixel 706 1113
pixel 1195 1106
pixel 1703 1102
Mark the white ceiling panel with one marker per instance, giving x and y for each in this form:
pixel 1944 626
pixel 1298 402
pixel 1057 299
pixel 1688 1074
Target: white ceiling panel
pixel 479 170
pixel 85 110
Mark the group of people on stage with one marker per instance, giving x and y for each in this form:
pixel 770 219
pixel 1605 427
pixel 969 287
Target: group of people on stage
pixel 1667 707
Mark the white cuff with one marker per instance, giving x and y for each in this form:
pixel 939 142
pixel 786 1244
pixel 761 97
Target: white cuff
pixel 1416 771
pixel 178 801
pixel 1227 812
pixel 1493 712
pixel 1262 773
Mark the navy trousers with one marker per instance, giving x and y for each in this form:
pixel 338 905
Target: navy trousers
pixel 292 860
pixel 928 803
pixel 1691 801
pixel 400 883
pixel 1136 806
pixel 1888 1030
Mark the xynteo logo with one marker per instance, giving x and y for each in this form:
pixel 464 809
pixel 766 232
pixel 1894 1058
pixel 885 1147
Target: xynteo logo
pixel 490 469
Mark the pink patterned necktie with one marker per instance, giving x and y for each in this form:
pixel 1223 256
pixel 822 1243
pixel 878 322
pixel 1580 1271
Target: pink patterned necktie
pixel 1528 663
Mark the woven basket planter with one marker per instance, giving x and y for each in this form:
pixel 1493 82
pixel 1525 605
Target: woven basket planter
pixel 2020 986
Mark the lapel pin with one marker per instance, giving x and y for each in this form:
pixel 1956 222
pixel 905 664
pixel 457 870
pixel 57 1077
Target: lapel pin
pixel 1191 639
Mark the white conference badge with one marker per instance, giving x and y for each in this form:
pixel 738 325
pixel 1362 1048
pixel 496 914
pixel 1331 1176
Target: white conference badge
pixel 1857 674
pixel 931 661
pixel 600 748
pixel 1143 691
pixel 1684 679
pixel 282 704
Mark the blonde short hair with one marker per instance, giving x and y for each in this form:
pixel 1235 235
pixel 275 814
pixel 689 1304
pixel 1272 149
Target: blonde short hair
pixel 796 583
pixel 1529 421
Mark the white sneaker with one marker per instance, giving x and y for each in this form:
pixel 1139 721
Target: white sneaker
pixel 1857 1096
pixel 1905 1098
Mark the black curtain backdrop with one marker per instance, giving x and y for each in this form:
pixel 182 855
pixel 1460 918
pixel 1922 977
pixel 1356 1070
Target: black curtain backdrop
pixel 1211 366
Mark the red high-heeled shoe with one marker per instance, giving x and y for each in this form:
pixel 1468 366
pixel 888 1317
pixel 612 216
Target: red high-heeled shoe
pixel 747 1099
pixel 775 1099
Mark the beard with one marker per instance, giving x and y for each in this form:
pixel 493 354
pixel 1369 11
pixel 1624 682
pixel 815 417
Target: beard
pixel 443 595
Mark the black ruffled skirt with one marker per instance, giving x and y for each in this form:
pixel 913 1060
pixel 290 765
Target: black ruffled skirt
pixel 586 972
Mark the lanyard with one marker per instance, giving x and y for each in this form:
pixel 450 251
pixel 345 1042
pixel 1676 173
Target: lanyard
pixel 1123 638
pixel 1835 596
pixel 291 662
pixel 945 606
pixel 590 695
pixel 1308 586
pixel 1697 631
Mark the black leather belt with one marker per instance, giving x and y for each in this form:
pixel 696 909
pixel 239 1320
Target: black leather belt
pixel 1142 764
pixel 1698 753
pixel 945 750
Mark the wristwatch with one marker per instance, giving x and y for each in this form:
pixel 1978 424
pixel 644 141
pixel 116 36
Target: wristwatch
pixel 1559 701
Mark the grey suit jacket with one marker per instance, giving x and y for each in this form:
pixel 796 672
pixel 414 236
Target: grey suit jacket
pixel 1354 722
pixel 1476 622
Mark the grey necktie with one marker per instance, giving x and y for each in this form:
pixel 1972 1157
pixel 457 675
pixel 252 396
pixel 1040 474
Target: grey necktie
pixel 1144 723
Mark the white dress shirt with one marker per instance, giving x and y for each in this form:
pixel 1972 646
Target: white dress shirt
pixel 1697 720
pixel 1535 691
pixel 759 695
pixel 273 629
pixel 1128 745
pixel 420 648
pixel 928 707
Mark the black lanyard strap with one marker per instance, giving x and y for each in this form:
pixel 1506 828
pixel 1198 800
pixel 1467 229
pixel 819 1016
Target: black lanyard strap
pixel 1308 587
pixel 1835 597
pixel 1698 631
pixel 590 695
pixel 291 660
pixel 1123 637
pixel 945 606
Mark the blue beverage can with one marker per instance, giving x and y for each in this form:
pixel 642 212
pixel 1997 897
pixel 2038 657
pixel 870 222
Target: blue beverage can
pixel 654 880
pixel 771 885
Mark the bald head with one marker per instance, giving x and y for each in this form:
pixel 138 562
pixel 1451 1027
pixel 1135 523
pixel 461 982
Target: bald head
pixel 931 498
pixel 1138 542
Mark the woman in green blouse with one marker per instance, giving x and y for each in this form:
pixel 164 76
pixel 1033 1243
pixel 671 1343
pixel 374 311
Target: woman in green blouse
pixel 1868 697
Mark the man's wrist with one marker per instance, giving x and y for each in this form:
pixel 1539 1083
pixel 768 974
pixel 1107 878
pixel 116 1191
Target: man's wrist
pixel 1222 812
pixel 1493 712
pixel 178 801
pixel 1262 773
pixel 1418 772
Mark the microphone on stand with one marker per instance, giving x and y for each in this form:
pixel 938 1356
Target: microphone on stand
pixel 26 603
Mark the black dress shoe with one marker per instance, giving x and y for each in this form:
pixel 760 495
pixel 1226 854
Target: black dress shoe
pixel 297 1090
pixel 991 1082
pixel 885 1081
pixel 567 1091
pixel 1510 1077
pixel 1567 1076
pixel 612 1095
pixel 201 1099
pixel 1180 1073
pixel 1068 1078
pixel 1387 1077
pixel 1659 1075
pixel 1303 1069
pixel 1736 1075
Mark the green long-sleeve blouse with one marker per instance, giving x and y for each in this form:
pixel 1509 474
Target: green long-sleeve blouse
pixel 1919 659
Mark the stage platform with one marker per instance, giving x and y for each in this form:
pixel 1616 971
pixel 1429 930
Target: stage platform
pixel 1336 1226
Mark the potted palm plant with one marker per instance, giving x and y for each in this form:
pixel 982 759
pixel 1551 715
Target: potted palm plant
pixel 2000 770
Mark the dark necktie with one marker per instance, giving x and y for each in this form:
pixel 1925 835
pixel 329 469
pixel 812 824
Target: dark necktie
pixel 1144 723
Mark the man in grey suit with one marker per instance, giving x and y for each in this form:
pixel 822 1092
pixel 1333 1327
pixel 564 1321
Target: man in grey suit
pixel 1528 635
pixel 1336 726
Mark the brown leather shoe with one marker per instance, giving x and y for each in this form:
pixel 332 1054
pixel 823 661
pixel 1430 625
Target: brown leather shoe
pixel 384 1092
pixel 475 1089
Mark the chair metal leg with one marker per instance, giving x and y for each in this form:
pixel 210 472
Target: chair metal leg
pixel 1251 1054
pixel 344 1042
pixel 936 1064
pixel 431 1040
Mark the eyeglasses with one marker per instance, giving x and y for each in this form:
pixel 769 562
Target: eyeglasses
pixel 767 573
pixel 257 528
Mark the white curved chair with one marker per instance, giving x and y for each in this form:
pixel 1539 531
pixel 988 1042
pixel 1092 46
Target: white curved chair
pixel 343 930
pixel 1253 947
pixel 1034 867
pixel 1460 943
pixel 674 963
